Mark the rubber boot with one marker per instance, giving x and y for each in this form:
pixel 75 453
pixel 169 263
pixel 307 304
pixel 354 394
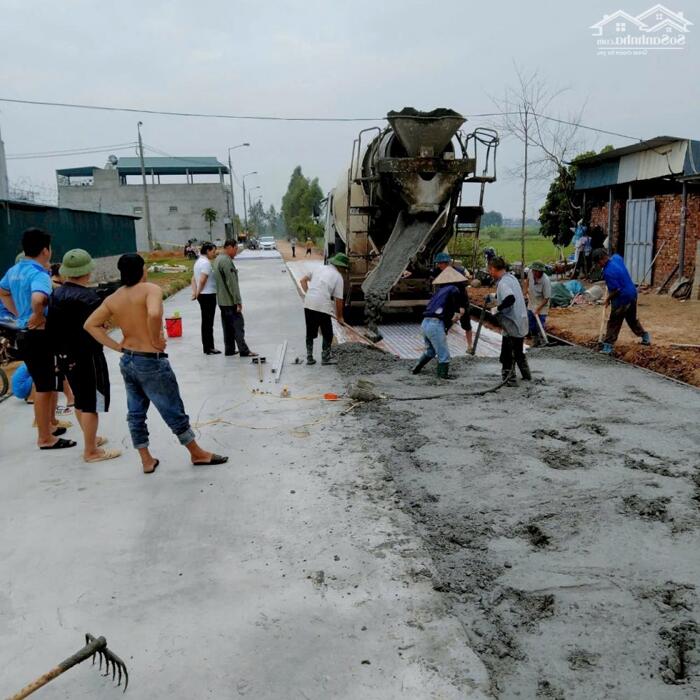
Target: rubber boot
pixel 646 338
pixel 509 374
pixel 326 358
pixel 524 368
pixel 607 349
pixel 443 370
pixel 310 352
pixel 422 362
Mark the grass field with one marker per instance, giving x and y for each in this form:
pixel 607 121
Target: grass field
pixel 170 282
pixel 536 247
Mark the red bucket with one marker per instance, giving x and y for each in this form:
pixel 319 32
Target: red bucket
pixel 173 327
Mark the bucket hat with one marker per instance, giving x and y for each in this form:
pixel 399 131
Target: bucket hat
pixel 76 263
pixel 339 260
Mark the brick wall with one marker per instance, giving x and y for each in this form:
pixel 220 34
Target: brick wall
pixel 668 217
pixel 668 221
pixel 599 217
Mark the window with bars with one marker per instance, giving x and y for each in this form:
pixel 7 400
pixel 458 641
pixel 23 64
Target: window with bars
pixel 620 26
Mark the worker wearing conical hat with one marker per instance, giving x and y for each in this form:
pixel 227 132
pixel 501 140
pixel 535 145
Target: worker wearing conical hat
pixel 444 308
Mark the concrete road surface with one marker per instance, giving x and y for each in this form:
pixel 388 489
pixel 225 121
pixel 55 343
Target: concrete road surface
pixel 290 572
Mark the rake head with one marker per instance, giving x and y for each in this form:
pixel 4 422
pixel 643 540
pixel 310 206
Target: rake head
pixel 109 658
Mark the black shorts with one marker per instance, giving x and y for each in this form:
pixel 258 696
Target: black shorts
pixel 89 379
pixel 35 349
pixel 316 320
pixel 466 321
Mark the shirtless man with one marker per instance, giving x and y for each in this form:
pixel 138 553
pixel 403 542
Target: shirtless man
pixel 137 308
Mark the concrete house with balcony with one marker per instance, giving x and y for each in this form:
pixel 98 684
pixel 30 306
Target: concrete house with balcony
pixel 179 189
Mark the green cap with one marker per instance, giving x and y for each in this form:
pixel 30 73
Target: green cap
pixel 76 263
pixel 538 266
pixel 339 260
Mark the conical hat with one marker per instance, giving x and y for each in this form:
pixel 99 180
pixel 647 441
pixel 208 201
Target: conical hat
pixel 449 276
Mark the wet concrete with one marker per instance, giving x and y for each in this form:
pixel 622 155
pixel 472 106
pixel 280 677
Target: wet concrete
pixel 562 517
pixel 290 572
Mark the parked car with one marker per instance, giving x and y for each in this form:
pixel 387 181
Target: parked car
pixel 268 243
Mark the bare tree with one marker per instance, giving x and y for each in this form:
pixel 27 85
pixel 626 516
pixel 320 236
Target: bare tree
pixel 525 114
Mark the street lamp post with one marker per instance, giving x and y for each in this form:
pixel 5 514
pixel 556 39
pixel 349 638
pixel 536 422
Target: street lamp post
pixel 232 210
pixel 245 208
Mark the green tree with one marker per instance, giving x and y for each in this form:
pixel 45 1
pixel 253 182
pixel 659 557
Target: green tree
pixel 561 209
pixel 257 222
pixel 301 205
pixel 492 218
pixel 210 216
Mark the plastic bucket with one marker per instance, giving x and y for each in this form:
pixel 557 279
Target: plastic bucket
pixel 173 327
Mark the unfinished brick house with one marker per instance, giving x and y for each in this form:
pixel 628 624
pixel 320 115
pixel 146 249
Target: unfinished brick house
pixel 646 197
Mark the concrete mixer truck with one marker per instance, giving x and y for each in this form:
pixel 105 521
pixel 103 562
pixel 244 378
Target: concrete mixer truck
pixel 398 203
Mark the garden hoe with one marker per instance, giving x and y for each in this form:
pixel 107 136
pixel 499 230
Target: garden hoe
pixel 93 647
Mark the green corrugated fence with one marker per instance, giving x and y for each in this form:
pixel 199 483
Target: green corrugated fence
pixel 100 234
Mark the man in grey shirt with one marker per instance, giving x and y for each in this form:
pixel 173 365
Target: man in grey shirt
pixel 512 313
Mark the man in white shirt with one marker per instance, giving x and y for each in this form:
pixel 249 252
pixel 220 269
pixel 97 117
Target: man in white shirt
pixel 204 291
pixel 323 299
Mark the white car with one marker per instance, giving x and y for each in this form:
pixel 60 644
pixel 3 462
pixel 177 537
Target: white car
pixel 267 243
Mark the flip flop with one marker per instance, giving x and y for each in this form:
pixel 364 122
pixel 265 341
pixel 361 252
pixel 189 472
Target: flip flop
pixel 215 459
pixel 155 466
pixel 107 454
pixel 60 444
pixel 58 431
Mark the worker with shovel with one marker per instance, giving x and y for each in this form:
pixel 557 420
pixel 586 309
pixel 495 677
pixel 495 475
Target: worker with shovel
pixel 442 262
pixel 512 313
pixel 323 299
pixel 538 291
pixel 622 298
pixel 445 307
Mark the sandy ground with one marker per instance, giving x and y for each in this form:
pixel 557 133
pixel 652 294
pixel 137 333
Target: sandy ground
pixel 667 319
pixel 562 517
pixel 286 251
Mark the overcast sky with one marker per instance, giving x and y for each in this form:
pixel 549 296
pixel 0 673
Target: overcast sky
pixel 312 58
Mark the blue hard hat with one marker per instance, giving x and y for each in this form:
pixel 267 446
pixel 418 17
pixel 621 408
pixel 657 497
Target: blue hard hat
pixel 442 258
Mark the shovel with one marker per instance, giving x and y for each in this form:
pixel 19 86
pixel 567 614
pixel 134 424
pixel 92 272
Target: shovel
pixel 478 329
pixel 93 647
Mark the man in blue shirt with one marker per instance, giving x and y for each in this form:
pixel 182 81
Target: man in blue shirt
pixel 24 291
pixel 622 298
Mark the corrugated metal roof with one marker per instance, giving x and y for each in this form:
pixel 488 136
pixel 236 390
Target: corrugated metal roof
pixel 664 156
pixel 175 165
pixel 625 150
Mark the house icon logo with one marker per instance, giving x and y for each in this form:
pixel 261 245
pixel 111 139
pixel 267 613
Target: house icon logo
pixel 655 29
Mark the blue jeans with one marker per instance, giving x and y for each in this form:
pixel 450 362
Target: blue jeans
pixel 534 328
pixel 150 379
pixel 435 340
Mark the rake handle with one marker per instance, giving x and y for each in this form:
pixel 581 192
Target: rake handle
pixel 85 653
pixel 602 321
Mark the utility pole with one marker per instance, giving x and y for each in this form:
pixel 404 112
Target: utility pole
pixel 146 207
pixel 522 222
pixel 4 185
pixel 245 208
pixel 232 212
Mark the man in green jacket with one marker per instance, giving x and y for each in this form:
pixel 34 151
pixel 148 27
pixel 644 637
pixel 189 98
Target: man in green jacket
pixel 228 297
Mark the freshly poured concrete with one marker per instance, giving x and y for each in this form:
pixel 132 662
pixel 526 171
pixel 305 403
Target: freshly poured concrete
pixel 290 572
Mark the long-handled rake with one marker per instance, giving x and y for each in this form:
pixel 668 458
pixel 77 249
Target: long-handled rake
pixel 93 647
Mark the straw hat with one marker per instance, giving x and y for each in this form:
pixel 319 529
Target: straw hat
pixel 449 276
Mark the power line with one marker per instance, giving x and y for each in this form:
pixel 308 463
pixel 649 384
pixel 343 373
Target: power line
pixel 62 154
pixel 70 150
pixel 211 115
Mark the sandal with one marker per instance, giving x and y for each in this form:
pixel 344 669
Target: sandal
pixel 106 454
pixel 101 441
pixel 60 444
pixel 155 466
pixel 215 459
